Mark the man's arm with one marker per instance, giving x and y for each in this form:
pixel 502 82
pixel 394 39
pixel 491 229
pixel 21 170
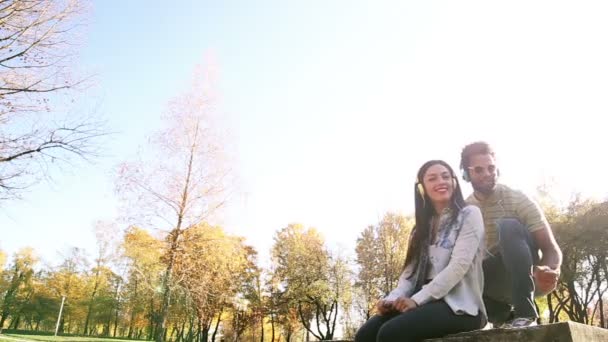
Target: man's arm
pixel 547 273
pixel 532 216
pixel 545 241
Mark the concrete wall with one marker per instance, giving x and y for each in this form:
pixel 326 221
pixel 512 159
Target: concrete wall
pixel 556 332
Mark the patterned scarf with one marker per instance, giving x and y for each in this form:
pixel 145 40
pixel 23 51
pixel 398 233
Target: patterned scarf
pixel 445 227
pixel 423 264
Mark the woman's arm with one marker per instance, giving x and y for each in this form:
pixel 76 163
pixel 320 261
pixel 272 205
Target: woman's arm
pixel 463 253
pixel 404 286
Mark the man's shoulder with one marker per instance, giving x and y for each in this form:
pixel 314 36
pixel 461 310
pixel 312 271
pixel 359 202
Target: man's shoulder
pixel 472 200
pixel 501 192
pixel 514 194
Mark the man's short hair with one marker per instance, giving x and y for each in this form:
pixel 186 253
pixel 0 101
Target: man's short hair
pixel 478 147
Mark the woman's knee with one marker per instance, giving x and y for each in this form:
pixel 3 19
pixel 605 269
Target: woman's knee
pixel 364 335
pixel 368 331
pixel 393 332
pixel 385 335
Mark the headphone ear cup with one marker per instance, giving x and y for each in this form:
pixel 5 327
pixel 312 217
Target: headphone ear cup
pixel 465 175
pixel 420 190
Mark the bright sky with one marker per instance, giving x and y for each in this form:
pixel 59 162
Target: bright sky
pixel 333 105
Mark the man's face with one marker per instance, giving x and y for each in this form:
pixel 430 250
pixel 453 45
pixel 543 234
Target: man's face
pixel 483 173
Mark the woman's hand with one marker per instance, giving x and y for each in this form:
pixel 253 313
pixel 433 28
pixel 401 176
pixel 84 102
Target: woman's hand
pixel 384 307
pixel 404 304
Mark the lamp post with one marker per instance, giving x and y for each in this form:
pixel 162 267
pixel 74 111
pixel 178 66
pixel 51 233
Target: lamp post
pixel 59 317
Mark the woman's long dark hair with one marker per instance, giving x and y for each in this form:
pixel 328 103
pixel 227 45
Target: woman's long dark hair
pixel 425 211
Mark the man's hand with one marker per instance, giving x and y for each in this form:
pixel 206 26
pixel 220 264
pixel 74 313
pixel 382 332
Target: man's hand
pixel 385 307
pixel 404 304
pixel 545 279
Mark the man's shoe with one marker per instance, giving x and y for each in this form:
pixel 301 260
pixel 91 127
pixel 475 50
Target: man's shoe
pixel 520 322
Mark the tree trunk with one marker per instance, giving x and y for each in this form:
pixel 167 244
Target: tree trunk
pixel 600 294
pixel 14 322
pixel 131 322
pixel 601 307
pixel 272 326
pixel 106 328
pixel 115 321
pixel 262 328
pixel 217 324
pixel 90 306
pixel 206 328
pixel 180 336
pixel 152 319
pixel 61 325
pixel 133 311
pixel 191 336
pixel 577 308
pixel 551 310
pixel 333 325
pixel 174 237
pixel 174 331
pixel 2 319
pixel 162 319
pixel 10 294
pixel 199 331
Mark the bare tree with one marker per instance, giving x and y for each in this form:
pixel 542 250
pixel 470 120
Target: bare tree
pixel 181 180
pixel 106 234
pixel 37 49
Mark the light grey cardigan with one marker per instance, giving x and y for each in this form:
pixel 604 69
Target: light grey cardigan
pixel 455 266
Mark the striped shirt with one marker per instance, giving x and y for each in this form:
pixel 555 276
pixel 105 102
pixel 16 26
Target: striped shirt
pixel 508 203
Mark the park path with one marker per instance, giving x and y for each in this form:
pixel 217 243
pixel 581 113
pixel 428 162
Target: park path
pixel 4 337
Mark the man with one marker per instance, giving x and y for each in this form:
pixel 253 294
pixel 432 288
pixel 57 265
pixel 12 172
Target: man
pixel 516 229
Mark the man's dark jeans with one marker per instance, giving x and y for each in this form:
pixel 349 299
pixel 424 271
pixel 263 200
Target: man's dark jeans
pixel 508 282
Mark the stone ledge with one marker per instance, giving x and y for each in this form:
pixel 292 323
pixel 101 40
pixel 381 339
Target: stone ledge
pixel 556 332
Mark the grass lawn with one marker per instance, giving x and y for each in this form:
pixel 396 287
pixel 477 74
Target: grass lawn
pixel 28 338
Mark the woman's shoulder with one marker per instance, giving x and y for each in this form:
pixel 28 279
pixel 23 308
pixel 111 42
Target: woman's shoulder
pixel 471 214
pixel 470 209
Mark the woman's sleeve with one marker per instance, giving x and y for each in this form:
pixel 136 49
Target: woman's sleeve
pixel 465 249
pixel 404 286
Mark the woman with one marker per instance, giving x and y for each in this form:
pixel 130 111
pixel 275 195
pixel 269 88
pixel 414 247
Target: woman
pixel 440 289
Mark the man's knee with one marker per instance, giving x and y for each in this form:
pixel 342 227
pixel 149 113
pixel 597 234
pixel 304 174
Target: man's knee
pixel 511 230
pixel 512 234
